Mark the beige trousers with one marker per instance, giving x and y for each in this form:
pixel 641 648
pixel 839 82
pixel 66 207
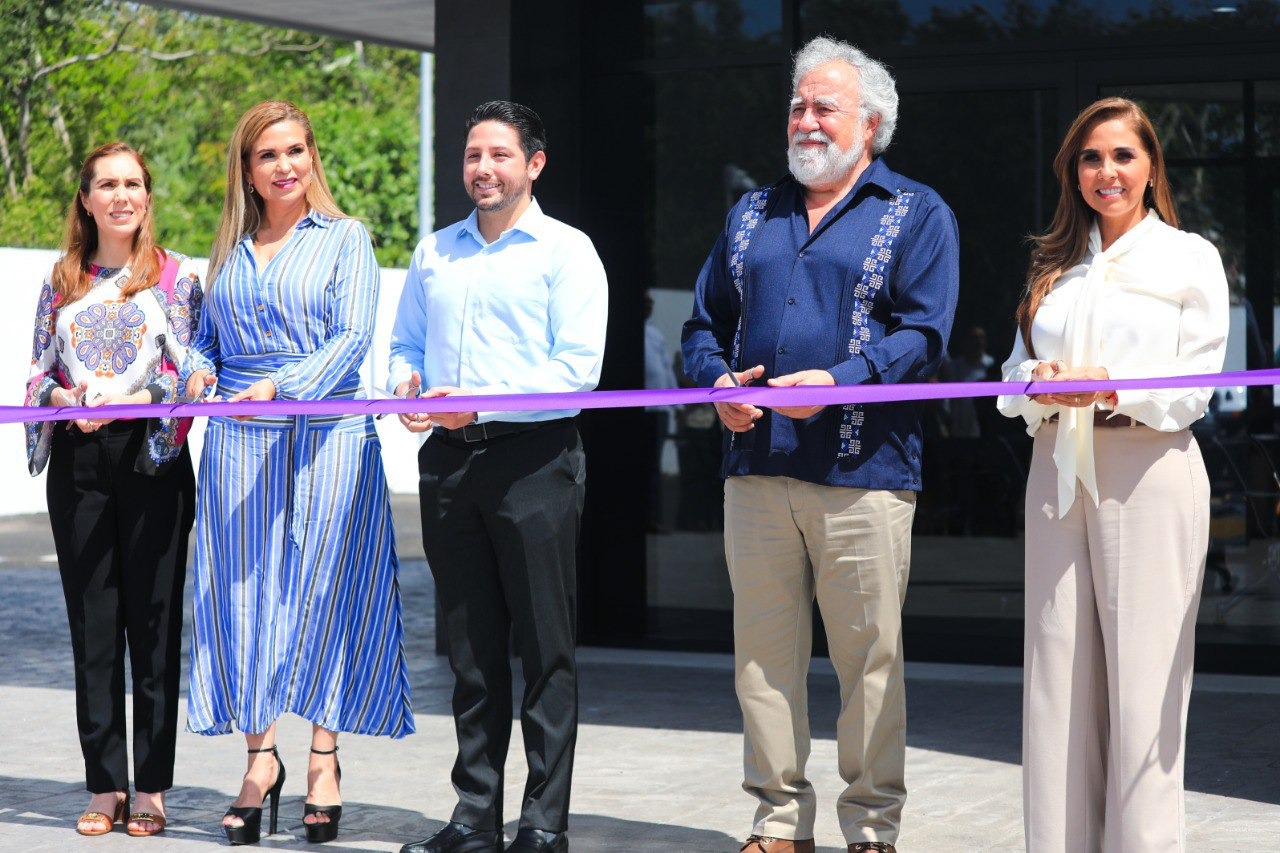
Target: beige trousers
pixel 1111 599
pixel 788 542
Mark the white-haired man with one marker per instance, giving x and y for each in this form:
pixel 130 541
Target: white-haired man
pixel 842 273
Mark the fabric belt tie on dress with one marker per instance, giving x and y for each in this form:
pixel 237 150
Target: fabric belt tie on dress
pixel 478 433
pixel 1102 418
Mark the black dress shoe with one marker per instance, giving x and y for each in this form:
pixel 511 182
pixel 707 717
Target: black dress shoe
pixel 456 838
pixel 539 841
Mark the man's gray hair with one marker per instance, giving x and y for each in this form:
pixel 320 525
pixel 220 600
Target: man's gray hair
pixel 879 95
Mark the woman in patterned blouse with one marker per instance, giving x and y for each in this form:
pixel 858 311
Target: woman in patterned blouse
pixel 113 322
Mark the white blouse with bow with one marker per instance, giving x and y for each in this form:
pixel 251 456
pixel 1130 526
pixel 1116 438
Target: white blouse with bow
pixel 1154 304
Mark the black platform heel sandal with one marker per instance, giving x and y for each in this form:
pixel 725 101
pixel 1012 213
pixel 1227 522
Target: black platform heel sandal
pixel 319 833
pixel 251 830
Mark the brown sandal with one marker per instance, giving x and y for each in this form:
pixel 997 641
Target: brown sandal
pixel 767 844
pixel 147 817
pixel 110 820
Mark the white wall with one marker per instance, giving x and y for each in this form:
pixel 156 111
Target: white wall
pixel 24 270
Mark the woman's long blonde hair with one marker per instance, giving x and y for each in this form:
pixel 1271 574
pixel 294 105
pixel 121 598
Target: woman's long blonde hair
pixel 242 210
pixel 71 273
pixel 1064 244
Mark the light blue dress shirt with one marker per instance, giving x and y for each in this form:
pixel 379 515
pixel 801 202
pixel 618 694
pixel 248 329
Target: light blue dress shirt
pixel 523 314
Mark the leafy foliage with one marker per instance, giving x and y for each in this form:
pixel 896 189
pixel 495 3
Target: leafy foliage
pixel 173 84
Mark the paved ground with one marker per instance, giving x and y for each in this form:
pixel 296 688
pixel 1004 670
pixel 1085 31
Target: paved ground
pixel 658 756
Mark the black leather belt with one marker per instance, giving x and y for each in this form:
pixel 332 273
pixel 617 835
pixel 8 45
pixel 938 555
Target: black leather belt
pixel 1103 419
pixel 477 433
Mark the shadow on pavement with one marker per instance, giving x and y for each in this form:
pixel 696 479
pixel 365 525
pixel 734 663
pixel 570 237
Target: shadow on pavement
pixel 1232 739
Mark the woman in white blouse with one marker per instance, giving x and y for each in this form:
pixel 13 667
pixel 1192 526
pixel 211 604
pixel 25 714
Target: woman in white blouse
pixel 113 322
pixel 1117 505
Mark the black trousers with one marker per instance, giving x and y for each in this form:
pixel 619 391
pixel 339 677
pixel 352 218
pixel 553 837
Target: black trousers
pixel 121 539
pixel 500 523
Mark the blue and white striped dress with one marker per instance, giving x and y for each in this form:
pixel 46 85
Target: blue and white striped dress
pixel 297 604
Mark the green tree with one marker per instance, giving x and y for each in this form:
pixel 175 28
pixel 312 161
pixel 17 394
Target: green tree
pixel 78 73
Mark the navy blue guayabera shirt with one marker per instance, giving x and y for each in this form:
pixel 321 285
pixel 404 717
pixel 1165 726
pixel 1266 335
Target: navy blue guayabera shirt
pixel 801 314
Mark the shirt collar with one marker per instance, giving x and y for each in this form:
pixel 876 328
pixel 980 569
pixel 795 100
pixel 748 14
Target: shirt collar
pixel 532 223
pixel 316 219
pixel 880 175
pixel 312 219
pixel 877 175
pixel 1125 241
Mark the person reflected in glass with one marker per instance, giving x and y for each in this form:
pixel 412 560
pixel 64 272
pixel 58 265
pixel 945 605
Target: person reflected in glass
pixel 113 322
pixel 970 363
pixel 1117 502
pixel 700 502
pixel 658 374
pixel 296 594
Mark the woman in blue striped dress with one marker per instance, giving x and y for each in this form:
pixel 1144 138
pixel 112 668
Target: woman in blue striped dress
pixel 297 606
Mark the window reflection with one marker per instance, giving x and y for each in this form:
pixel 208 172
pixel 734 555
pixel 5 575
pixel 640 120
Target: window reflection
pixel 700 28
pixel 1193 120
pixel 715 136
pixel 952 22
pixel 1267 117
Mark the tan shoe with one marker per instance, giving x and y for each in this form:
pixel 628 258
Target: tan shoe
pixel 100 823
pixel 872 847
pixel 764 844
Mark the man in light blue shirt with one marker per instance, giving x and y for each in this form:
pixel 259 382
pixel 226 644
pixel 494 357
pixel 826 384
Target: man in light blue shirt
pixel 507 301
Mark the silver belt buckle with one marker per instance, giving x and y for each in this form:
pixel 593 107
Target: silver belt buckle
pixel 474 432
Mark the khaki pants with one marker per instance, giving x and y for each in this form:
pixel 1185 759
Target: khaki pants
pixel 1112 594
pixel 788 542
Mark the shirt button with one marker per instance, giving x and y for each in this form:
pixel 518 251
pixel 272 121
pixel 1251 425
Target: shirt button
pixel 262 308
pixel 801 255
pixel 782 350
pixel 791 301
pixel 268 333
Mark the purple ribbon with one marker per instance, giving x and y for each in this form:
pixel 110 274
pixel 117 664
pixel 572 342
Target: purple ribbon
pixel 761 395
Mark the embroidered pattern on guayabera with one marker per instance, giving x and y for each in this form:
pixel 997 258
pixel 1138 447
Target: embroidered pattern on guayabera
pixel 737 255
pixel 877 261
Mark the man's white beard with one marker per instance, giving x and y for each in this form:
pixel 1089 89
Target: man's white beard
pixel 827 166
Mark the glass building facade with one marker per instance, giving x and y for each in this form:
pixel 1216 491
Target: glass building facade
pixel 662 112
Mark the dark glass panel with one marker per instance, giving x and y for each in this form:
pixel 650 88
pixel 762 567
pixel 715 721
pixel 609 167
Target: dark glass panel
pixel 1266 98
pixel 716 134
pixel 1192 120
pixel 686 29
pixel 989 155
pixel 1209 201
pixel 879 23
